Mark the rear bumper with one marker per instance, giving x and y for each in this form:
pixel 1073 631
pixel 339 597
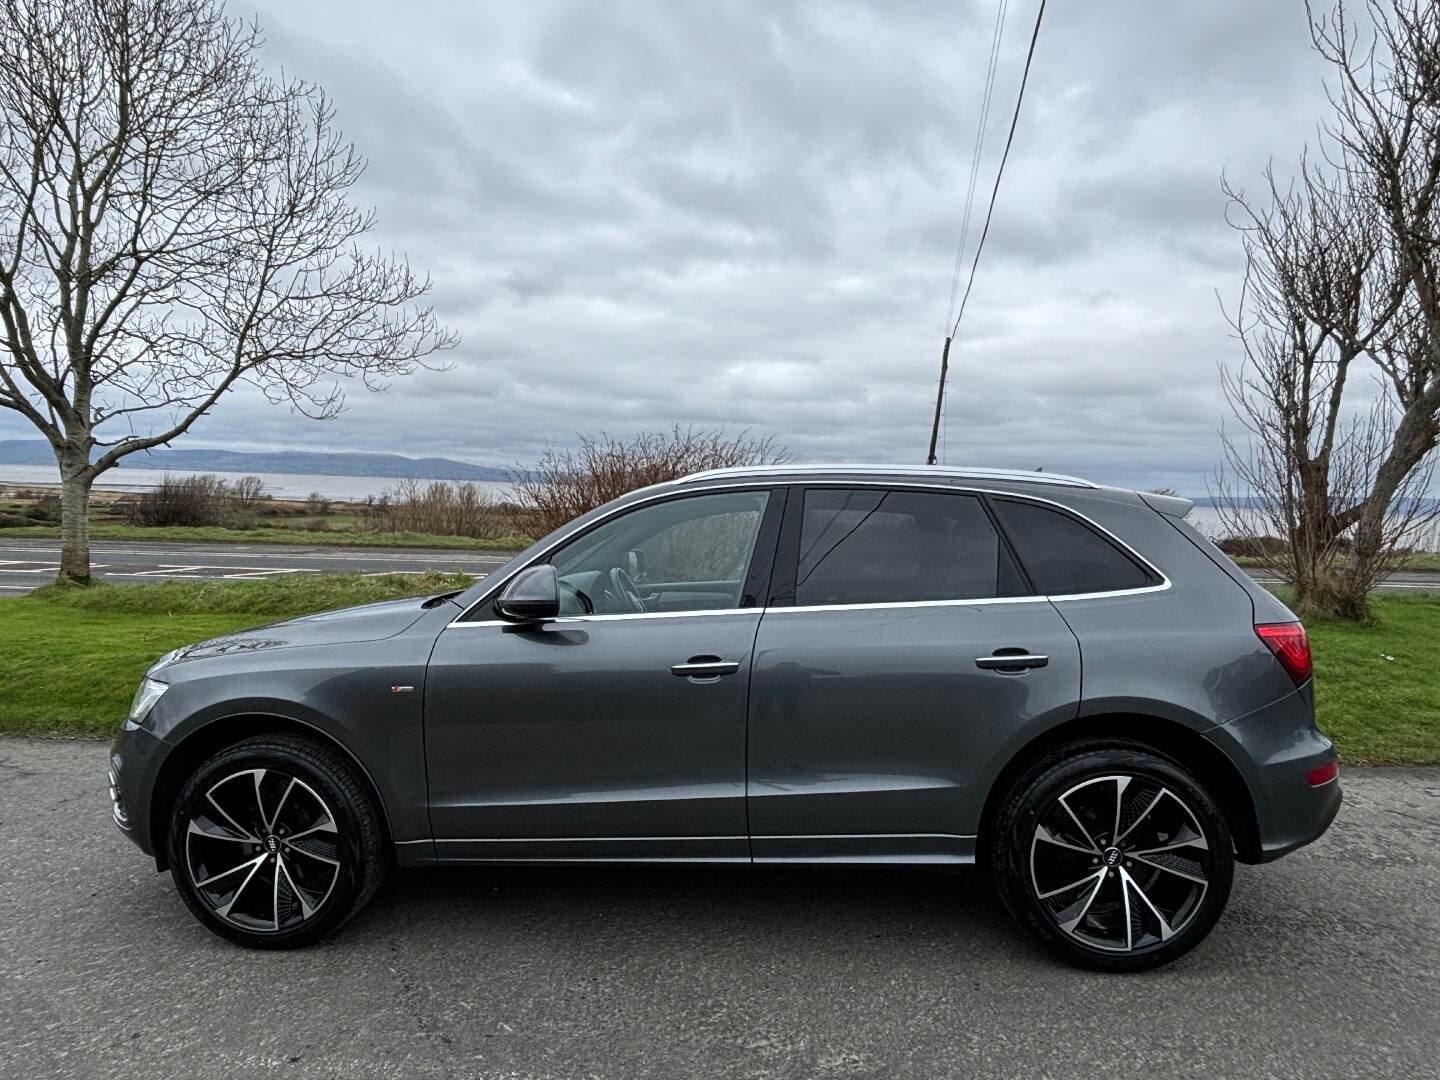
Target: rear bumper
pixel 1275 749
pixel 135 760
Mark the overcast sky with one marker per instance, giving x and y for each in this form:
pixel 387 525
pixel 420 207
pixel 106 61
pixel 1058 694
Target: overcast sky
pixel 746 214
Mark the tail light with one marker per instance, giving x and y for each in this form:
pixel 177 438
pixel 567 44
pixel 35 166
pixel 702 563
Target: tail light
pixel 1323 775
pixel 1290 646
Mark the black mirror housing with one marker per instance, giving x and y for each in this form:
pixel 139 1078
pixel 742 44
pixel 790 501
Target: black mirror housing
pixel 532 595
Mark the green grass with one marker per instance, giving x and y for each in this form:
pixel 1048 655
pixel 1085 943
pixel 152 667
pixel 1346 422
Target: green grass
pixel 276 534
pixel 1377 685
pixel 70 658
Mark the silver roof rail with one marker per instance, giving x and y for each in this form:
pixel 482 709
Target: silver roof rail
pixel 941 471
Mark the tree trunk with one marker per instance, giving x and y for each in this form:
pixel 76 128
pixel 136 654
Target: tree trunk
pixel 75 481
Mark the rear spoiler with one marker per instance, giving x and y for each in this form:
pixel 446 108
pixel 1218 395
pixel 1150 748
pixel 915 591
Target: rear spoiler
pixel 1170 505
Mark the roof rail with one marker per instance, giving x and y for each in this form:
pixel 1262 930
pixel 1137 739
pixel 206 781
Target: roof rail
pixel 944 471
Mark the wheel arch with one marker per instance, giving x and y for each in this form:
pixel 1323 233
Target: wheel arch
pixel 214 736
pixel 1190 749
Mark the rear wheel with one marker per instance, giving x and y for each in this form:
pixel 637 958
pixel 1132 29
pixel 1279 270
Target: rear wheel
pixel 274 842
pixel 1115 857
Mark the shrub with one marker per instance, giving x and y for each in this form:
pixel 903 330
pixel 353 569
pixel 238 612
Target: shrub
pixel 198 500
pixel 317 505
pixel 441 508
pixel 1254 546
pixel 45 510
pixel 568 483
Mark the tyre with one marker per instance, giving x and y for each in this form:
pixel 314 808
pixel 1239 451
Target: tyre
pixel 274 842
pixel 1112 855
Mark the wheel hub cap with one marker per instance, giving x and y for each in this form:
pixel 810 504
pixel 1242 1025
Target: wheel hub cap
pixel 262 850
pixel 1120 863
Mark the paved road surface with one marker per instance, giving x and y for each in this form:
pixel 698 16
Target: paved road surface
pixel 26 564
pixel 1326 965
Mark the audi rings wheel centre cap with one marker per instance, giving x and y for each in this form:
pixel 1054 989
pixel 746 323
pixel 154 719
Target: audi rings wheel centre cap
pixel 1111 855
pixel 272 844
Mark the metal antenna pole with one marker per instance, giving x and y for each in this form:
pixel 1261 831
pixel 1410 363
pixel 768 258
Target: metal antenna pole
pixel 939 401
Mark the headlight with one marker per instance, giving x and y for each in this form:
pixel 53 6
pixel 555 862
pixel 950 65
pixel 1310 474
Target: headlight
pixel 146 696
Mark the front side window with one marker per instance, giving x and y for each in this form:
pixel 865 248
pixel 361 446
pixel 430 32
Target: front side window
pixel 689 554
pixel 1064 556
pixel 865 546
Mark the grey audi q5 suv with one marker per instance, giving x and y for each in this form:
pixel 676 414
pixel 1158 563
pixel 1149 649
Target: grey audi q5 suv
pixel 1062 682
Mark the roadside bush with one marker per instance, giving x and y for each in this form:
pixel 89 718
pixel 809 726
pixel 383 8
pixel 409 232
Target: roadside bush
pixel 567 483
pixel 198 500
pixel 440 508
pixel 44 511
pixel 1252 546
pixel 317 505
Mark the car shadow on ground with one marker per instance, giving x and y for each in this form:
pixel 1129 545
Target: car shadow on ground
pixel 809 906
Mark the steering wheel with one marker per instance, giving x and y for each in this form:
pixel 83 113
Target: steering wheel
pixel 626 593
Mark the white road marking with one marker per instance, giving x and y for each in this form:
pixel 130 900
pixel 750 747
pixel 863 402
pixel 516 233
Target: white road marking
pixel 13 566
pixel 250 575
pixel 1432 586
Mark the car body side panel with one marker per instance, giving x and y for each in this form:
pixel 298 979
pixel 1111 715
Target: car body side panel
pixel 870 726
pixel 367 696
pixel 573 738
pixel 1186 653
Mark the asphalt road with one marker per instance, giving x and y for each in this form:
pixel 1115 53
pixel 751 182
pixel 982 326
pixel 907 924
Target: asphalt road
pixel 27 564
pixel 1327 964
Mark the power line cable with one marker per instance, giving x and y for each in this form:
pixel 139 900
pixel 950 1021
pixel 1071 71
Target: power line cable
pixel 984 232
pixel 976 154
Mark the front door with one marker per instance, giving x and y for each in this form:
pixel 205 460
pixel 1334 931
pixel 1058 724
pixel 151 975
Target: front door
pixel 616 731
pixel 881 691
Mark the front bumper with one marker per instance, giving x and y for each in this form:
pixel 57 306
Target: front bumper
pixel 135 760
pixel 1276 748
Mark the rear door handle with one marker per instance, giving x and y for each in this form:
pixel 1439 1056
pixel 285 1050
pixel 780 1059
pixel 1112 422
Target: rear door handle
pixel 1011 660
pixel 705 667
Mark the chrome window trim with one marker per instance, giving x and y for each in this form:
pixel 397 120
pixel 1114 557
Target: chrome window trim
pixel 1020 476
pixel 621 616
pixel 675 492
pixel 882 605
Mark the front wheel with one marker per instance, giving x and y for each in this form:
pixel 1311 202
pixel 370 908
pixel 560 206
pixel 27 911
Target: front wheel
pixel 1115 857
pixel 274 842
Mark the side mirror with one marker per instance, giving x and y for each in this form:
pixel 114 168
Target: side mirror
pixel 532 595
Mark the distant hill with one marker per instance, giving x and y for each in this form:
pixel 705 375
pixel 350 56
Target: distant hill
pixel 200 459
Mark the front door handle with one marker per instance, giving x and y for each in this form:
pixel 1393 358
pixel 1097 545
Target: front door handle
pixel 1011 660
pixel 705 667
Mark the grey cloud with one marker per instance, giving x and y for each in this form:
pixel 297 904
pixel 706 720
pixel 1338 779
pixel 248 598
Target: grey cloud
pixel 746 214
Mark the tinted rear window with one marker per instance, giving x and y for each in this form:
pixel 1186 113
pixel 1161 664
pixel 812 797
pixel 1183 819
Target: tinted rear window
pixel 1064 555
pixel 865 546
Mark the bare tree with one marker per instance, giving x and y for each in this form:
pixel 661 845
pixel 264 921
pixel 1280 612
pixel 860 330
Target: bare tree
pixel 1339 317
pixel 173 225
pixel 567 483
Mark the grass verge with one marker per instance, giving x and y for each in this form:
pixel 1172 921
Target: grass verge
pixel 70 658
pixel 1377 684
pixel 271 534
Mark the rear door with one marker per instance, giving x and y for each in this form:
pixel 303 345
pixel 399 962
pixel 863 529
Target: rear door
pixel 902 649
